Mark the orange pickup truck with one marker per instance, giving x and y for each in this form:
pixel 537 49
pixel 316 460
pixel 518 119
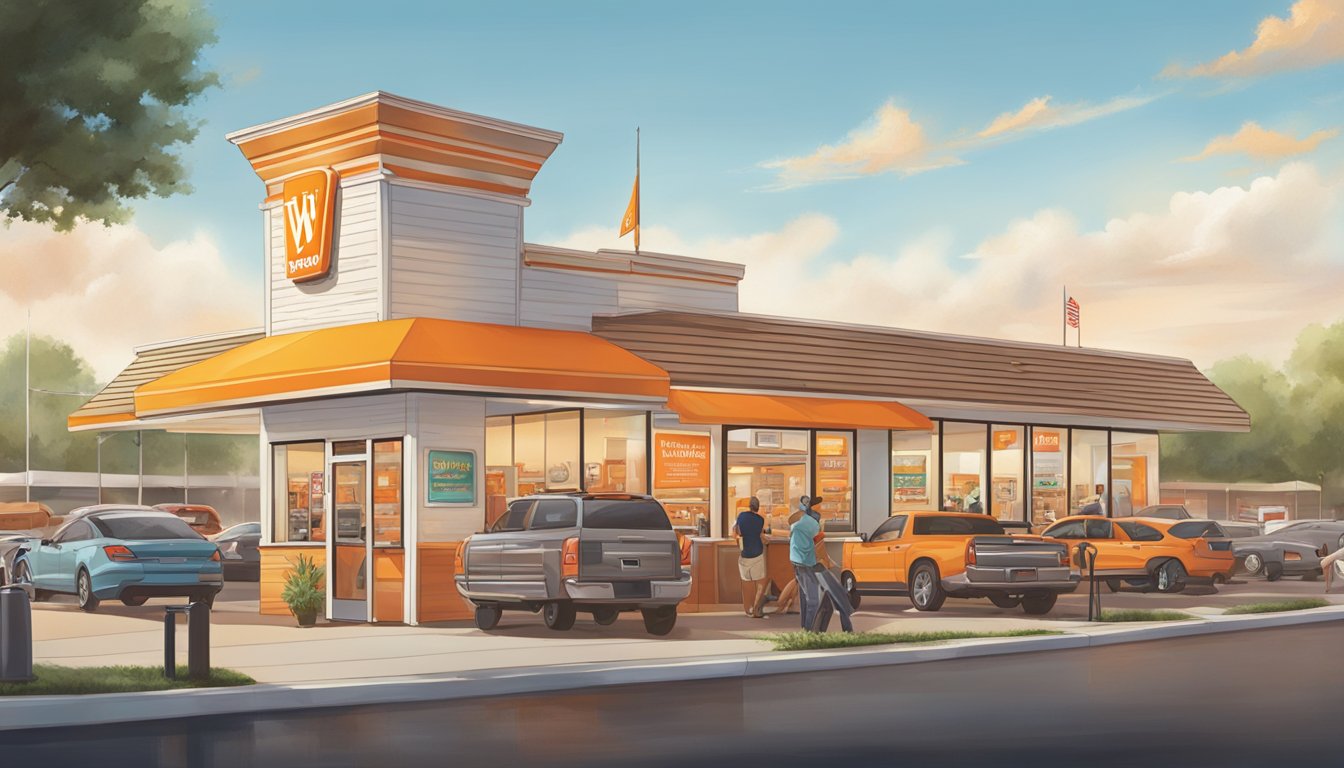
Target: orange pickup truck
pixel 931 556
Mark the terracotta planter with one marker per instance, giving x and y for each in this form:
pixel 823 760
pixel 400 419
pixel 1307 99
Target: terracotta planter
pixel 306 618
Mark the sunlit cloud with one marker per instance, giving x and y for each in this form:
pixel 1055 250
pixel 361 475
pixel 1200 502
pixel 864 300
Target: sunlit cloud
pixel 1041 114
pixel 1312 35
pixel 1260 143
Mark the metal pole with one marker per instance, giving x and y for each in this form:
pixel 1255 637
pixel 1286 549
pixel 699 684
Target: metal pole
pixel 638 202
pixel 99 439
pixel 140 471
pixel 186 476
pixel 1064 318
pixel 27 410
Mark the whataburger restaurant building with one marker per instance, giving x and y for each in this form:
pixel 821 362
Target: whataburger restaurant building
pixel 421 363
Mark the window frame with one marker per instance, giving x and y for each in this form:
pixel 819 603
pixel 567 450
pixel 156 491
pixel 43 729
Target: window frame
pixel 878 533
pixel 326 460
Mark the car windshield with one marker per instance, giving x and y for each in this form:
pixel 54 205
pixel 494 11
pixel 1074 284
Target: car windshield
pixel 143 527
pixel 936 526
pixel 633 514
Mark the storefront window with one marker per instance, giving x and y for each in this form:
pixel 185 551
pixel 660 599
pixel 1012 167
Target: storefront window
pixel 681 474
pixel 298 470
pixel 1049 481
pixel 501 476
pixel 964 466
pixel 914 470
pixel 835 480
pixel 1008 499
pixel 1088 470
pixel 614 451
pixel 1133 472
pixel 387 507
pixel 772 465
pixel 546 452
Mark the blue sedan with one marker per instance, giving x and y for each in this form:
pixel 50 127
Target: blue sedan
pixel 128 553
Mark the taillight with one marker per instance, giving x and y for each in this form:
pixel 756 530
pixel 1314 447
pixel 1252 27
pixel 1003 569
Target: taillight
pixel 215 555
pixel 970 553
pixel 569 558
pixel 459 557
pixel 1291 556
pixel 1064 558
pixel 118 553
pixel 685 549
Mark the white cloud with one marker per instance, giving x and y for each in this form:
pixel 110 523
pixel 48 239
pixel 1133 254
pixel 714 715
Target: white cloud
pixel 1312 35
pixel 890 142
pixel 1238 270
pixel 1040 114
pixel 1261 143
pixel 104 290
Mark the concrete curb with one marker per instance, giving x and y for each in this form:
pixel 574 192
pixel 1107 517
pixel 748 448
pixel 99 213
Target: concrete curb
pixel 33 712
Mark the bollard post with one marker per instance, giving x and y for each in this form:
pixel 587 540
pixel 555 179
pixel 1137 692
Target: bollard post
pixel 198 641
pixel 170 613
pixel 1087 560
pixel 16 635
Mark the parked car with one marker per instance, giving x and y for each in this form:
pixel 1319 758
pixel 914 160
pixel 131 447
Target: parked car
pixel 10 541
pixel 129 553
pixel 1219 534
pixel 564 553
pixel 238 549
pixel 202 518
pixel 1141 551
pixel 1165 511
pixel 931 556
pixel 1295 549
pixel 1016 527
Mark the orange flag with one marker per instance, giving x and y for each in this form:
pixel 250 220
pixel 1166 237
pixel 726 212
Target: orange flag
pixel 630 221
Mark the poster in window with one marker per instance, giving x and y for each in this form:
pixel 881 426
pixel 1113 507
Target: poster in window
pixel 680 461
pixel 910 478
pixel 451 477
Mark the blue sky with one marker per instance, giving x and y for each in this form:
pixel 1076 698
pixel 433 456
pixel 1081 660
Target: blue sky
pixel 886 162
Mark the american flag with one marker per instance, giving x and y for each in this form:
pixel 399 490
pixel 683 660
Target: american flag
pixel 1071 312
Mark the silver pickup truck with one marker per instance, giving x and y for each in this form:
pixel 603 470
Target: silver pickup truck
pixel 565 553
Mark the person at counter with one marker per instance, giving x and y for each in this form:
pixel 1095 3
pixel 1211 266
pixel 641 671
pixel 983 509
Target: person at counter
pixel 751 557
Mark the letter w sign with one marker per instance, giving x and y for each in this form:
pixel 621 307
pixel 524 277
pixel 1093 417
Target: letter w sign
pixel 309 205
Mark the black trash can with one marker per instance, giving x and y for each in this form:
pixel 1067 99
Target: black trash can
pixel 16 635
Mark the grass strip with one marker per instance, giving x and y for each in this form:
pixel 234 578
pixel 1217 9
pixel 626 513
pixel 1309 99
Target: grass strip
pixel 817 641
pixel 55 680
pixel 1277 606
pixel 1144 615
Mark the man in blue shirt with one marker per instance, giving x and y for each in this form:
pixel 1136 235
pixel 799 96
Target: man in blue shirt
pixel 751 561
pixel 803 533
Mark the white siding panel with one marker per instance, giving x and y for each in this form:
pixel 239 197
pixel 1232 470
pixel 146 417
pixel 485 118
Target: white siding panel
pixel 350 293
pixel 342 418
pixel 558 298
pixel 454 256
pixel 447 422
pixel 874 478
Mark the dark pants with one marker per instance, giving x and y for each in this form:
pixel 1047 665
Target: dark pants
pixel 809 594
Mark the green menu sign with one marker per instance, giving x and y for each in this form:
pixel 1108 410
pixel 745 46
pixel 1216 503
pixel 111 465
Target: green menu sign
pixel 452 477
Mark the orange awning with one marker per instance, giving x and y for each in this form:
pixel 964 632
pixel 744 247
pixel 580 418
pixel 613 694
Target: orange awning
pixel 697 407
pixel 406 354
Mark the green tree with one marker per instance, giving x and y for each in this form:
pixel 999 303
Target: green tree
pixel 57 368
pixel 92 97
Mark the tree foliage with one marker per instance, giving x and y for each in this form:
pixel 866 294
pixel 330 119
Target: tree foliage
pixel 92 97
pixel 1297 421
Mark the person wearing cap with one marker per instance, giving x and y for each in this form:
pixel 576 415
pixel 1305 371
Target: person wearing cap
pixel 804 529
pixel 751 557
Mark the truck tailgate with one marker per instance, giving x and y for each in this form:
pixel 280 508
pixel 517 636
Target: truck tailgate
pixel 1016 552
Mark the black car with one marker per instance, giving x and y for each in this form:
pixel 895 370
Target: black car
pixel 238 548
pixel 1295 549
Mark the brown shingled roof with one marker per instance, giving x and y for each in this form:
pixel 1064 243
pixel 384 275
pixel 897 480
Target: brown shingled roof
pixel 942 376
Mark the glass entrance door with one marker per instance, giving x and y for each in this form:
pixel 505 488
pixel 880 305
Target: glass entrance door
pixel 349 554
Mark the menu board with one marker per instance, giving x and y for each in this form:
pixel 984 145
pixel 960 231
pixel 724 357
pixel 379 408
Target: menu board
pixel 680 461
pixel 910 478
pixel 450 477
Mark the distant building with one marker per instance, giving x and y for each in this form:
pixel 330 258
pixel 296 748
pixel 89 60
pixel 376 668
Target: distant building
pixel 1244 501
pixel 236 497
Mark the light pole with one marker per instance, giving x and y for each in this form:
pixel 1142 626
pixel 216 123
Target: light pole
pixel 28 390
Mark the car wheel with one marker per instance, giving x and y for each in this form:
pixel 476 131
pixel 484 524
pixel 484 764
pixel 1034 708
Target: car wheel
pixel 851 589
pixel 558 615
pixel 1114 585
pixel 1169 577
pixel 1273 572
pixel 133 601
pixel 84 590
pixel 1253 563
pixel 1038 603
pixel 926 591
pixel 1005 601
pixel 487 617
pixel 605 616
pixel 660 620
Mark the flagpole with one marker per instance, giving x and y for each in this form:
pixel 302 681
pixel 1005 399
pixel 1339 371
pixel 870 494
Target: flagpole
pixel 1064 317
pixel 637 200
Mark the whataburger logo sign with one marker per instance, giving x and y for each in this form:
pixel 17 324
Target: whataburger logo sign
pixel 308 205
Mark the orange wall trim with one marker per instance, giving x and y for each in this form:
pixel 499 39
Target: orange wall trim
pixel 276 563
pixel 437 598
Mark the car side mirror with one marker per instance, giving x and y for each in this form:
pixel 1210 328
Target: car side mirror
pixel 46 542
pixel 863 537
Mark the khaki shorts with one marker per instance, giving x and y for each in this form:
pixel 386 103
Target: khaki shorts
pixel 751 568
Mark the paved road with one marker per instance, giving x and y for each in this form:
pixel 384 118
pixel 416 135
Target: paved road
pixel 1246 699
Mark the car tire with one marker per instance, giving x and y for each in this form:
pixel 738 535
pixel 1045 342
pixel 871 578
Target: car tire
pixel 134 602
pixel 1169 577
pixel 84 591
pixel 487 617
pixel 659 620
pixel 1005 601
pixel 1039 603
pixel 851 589
pixel 926 589
pixel 558 615
pixel 1253 564
pixel 1273 572
pixel 605 617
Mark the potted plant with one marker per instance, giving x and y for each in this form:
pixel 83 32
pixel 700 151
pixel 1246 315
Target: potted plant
pixel 304 590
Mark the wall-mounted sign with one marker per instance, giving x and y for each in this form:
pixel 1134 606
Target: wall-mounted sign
pixel 680 461
pixel 1044 441
pixel 832 445
pixel 450 477
pixel 317 483
pixel 1007 438
pixel 308 206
